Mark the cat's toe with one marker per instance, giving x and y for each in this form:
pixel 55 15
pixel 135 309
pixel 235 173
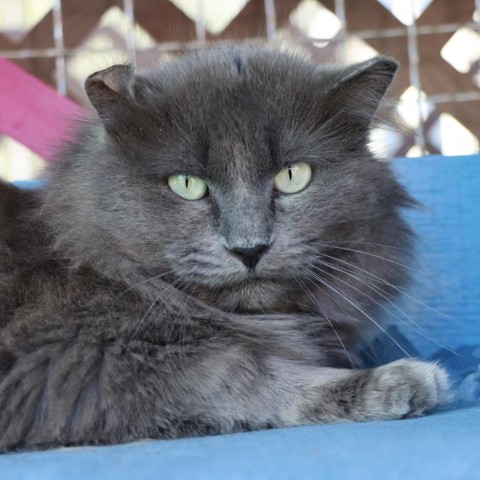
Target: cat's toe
pixel 408 388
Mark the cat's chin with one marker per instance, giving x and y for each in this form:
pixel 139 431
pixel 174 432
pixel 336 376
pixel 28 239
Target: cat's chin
pixel 252 296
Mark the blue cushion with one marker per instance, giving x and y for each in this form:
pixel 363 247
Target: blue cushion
pixel 445 300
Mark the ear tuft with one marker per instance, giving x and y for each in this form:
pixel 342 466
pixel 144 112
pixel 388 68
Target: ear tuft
pixel 107 88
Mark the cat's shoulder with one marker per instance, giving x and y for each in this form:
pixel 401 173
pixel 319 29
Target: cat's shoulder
pixel 16 207
pixel 14 199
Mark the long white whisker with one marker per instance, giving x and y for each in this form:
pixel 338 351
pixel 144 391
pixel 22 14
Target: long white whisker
pixel 140 324
pixel 159 297
pixel 336 247
pixel 142 282
pixel 363 252
pixel 312 297
pixel 361 242
pixel 393 286
pixel 376 289
pixel 419 330
pixel 360 309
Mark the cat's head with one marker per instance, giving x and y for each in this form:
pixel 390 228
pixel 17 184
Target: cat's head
pixel 228 171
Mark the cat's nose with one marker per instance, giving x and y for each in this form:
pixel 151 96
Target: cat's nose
pixel 250 256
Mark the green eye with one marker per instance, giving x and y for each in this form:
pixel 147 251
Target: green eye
pixel 187 186
pixel 294 178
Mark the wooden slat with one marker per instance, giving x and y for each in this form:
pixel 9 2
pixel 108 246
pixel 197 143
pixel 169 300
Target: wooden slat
pixel 164 21
pixel 365 15
pixel 41 36
pixel 447 11
pixel 80 17
pixel 438 76
pixel 251 23
pixel 467 113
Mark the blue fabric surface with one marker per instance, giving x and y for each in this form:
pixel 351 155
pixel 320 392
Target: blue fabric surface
pixel 443 446
pixel 447 277
pixel 444 301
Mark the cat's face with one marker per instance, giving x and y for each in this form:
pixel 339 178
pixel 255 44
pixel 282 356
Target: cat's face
pixel 270 153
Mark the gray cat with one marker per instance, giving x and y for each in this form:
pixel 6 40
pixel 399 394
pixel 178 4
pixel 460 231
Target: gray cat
pixel 206 258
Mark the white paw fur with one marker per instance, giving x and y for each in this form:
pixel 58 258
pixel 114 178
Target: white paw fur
pixel 407 388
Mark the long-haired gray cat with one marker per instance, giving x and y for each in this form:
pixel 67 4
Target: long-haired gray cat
pixel 204 256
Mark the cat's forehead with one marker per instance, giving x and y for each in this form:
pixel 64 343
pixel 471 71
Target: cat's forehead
pixel 248 113
pixel 244 80
pixel 239 108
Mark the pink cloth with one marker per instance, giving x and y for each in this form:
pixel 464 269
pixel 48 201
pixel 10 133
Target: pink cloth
pixel 33 113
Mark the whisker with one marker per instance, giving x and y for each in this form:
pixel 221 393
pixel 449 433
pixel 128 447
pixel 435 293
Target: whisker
pixel 142 282
pixel 362 242
pixel 370 254
pixel 312 297
pixel 383 293
pixel 140 324
pixel 150 308
pixel 385 259
pixel 403 292
pixel 419 330
pixel 360 309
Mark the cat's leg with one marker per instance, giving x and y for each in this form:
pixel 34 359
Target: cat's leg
pixel 281 392
pixel 405 388
pixel 92 390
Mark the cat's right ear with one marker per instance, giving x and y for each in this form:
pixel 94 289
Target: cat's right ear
pixel 111 89
pixel 360 88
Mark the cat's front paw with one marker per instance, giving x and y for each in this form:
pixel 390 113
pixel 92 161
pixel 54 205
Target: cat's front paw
pixel 406 388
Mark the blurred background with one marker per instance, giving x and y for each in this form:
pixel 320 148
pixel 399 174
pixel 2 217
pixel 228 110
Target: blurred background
pixel 436 41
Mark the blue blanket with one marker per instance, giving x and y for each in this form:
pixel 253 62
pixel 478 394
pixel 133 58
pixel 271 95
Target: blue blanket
pixel 445 298
pixel 440 321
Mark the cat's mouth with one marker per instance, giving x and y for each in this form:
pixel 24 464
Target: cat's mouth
pixel 252 293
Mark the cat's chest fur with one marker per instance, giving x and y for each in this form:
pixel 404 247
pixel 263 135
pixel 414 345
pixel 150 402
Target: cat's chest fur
pixel 45 299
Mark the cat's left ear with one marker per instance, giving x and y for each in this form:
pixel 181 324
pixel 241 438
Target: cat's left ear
pixel 361 87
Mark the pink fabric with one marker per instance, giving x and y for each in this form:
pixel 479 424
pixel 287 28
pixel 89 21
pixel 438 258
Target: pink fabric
pixel 33 113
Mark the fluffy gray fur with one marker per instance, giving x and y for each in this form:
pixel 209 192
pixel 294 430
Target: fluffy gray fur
pixel 125 312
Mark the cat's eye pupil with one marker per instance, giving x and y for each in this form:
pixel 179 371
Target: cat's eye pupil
pixel 293 178
pixel 187 186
